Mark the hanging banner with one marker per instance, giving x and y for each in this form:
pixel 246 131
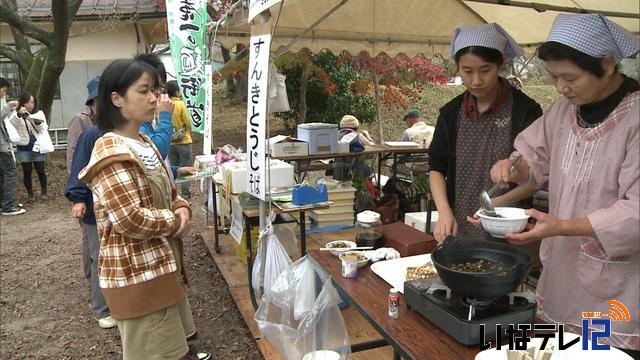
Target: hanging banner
pixel 258 6
pixel 258 73
pixel 187 25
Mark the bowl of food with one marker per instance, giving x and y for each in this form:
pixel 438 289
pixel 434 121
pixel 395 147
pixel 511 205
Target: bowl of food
pixel 356 256
pixel 508 220
pixel 340 246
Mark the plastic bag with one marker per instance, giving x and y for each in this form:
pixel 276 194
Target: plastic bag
pixel 300 314
pixel 277 100
pixel 271 260
pixel 14 136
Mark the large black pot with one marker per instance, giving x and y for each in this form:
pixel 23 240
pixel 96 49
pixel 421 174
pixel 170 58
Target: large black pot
pixel 515 260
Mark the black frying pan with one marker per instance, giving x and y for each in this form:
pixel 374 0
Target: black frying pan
pixel 515 263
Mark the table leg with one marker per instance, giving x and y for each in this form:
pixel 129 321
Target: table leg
pixel 396 355
pixel 303 234
pixel 216 237
pixel 252 294
pixel 379 172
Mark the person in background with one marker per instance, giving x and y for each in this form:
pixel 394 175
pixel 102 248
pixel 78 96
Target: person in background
pixel 28 153
pixel 345 167
pixel 81 121
pixel 138 211
pixel 8 170
pixel 476 129
pixel 180 152
pixel 417 130
pixel 586 146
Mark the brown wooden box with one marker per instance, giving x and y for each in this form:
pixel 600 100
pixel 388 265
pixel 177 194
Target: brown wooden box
pixel 407 240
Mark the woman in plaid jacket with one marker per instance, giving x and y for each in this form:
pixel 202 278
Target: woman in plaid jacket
pixel 139 217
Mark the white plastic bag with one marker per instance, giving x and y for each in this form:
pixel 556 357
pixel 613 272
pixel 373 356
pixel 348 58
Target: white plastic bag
pixel 271 260
pixel 300 314
pixel 277 100
pixel 14 136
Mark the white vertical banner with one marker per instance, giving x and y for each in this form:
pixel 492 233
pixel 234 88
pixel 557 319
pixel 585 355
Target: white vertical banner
pixel 208 116
pixel 258 75
pixel 258 6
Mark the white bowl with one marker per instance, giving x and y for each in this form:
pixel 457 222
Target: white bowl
pixel 514 220
pixel 321 355
pixel 360 263
pixel 339 251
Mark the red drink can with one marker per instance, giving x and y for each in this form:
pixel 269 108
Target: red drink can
pixel 394 303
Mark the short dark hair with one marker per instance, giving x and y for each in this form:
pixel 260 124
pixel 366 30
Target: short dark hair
pixel 487 54
pixel 172 88
pixel 4 83
pixel 118 77
pixel 24 98
pixel 552 50
pixel 155 62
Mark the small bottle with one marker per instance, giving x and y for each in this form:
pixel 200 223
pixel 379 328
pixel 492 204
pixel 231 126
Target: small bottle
pixel 394 303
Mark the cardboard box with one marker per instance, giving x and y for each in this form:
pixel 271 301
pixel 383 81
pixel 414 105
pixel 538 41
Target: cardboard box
pixel 283 146
pixel 407 240
pixel 235 175
pixel 322 138
pixel 418 220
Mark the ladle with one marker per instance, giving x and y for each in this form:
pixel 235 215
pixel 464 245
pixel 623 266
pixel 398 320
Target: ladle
pixel 485 198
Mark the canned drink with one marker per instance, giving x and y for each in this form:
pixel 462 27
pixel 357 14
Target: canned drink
pixel 394 303
pixel 349 269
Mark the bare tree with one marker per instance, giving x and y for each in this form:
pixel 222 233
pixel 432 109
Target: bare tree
pixel 41 68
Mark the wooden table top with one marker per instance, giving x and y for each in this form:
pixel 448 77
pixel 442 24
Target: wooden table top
pixel 368 150
pixel 415 336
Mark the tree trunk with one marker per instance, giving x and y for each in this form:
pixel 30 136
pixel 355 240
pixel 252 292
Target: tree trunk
pixel 32 81
pixel 226 56
pixel 304 81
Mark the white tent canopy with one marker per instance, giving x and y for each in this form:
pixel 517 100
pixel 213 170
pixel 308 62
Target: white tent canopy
pixel 410 26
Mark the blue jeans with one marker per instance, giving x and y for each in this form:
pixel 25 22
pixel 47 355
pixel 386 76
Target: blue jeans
pixel 8 181
pixel 99 306
pixel 180 155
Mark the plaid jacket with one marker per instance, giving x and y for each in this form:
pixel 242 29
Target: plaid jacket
pixel 137 268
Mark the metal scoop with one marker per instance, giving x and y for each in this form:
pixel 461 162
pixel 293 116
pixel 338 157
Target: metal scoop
pixel 485 196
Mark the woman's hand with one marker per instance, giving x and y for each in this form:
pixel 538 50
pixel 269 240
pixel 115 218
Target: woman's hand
pixel 474 220
pixel 78 210
pixel 165 103
pixel 445 226
pixel 13 104
pixel 501 174
pixel 184 220
pixel 22 111
pixel 186 170
pixel 546 226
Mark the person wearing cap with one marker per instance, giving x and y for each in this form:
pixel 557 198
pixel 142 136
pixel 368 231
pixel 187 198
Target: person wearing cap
pixel 417 130
pixel 476 129
pixel 81 132
pixel 82 120
pixel 586 148
pixel 349 134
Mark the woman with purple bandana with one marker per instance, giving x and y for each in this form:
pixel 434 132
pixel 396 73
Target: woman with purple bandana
pixel 476 129
pixel 586 146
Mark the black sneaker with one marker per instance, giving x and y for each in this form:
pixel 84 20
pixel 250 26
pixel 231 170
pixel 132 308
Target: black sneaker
pixel 13 211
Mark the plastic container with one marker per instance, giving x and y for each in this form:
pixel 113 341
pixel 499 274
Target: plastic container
pixel 369 229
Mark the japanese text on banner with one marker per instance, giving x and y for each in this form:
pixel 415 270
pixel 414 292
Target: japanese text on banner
pixel 187 28
pixel 257 108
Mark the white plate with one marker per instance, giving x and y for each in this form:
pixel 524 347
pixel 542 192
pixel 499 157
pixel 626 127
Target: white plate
pixel 394 271
pixel 406 144
pixel 575 352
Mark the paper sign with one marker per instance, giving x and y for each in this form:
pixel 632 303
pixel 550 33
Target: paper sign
pixel 237 222
pixel 257 109
pixel 187 25
pixel 258 6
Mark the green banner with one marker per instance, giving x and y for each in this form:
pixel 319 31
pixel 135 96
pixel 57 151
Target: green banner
pixel 187 25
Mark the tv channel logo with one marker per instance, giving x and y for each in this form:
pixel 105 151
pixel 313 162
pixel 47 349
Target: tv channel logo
pixel 617 312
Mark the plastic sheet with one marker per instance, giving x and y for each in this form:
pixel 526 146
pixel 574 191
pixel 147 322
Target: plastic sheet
pixel 300 315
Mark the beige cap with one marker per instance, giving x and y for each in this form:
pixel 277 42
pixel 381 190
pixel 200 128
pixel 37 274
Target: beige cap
pixel 349 121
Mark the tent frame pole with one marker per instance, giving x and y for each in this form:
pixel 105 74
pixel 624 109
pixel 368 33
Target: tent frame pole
pixel 546 7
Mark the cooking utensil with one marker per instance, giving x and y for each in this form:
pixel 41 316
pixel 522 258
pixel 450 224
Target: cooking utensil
pixel 347 248
pixel 485 198
pixel 481 285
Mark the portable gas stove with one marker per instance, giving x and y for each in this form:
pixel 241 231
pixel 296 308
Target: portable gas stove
pixel 461 317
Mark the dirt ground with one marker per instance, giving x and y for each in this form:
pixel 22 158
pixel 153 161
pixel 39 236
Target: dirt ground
pixel 44 298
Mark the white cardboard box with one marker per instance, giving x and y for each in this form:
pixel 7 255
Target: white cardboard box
pixel 283 146
pixel 418 220
pixel 235 175
pixel 322 137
